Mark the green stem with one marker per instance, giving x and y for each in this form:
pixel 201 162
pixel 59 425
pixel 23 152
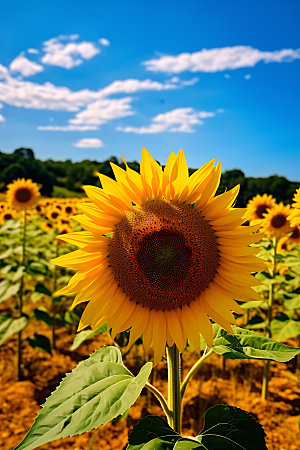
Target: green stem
pixel 160 398
pixel 194 369
pixel 21 293
pixel 53 303
pixel 266 374
pixel 174 378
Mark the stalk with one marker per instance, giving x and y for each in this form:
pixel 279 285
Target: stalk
pixel 174 378
pixel 21 293
pixel 53 303
pixel 266 374
pixel 195 369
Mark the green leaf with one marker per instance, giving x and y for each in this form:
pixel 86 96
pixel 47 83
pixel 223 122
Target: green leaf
pixel 283 327
pixel 6 253
pixel 98 390
pixel 254 304
pixel 39 287
pixel 40 342
pixel 10 326
pixel 293 303
pixel 37 268
pixel 8 290
pixel 228 428
pixel 87 334
pixel 43 316
pixel 246 344
pixel 154 433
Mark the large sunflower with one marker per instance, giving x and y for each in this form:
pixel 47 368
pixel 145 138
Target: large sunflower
pixel 294 217
pixel 160 255
pixel 276 223
pixel 22 194
pixel 258 207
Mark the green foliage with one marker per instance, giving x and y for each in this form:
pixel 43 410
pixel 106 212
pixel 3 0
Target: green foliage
pixel 225 427
pixel 10 326
pixel 96 391
pixel 246 344
pixel 40 342
pixel 87 334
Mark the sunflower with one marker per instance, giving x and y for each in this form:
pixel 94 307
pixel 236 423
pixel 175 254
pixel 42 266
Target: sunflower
pixel 258 207
pixel 7 214
pixel 160 255
pixel 22 194
pixel 54 213
pixel 276 223
pixel 294 217
pixel 283 245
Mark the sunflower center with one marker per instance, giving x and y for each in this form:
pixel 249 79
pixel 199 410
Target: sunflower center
pixel 278 221
pixel 23 195
pixel 163 254
pixel 295 233
pixel 261 210
pixel 7 216
pixel 165 258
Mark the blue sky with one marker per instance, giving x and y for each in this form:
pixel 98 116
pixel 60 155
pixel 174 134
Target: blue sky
pixel 93 79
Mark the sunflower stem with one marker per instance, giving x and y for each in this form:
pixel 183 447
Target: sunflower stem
pixel 53 302
pixel 194 369
pixel 174 378
pixel 21 293
pixel 266 373
pixel 160 398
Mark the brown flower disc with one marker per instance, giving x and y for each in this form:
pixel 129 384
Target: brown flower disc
pixel 278 221
pixel 23 195
pixel 261 210
pixel 163 254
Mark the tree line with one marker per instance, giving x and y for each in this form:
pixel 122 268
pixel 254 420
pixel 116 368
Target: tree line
pixel 21 163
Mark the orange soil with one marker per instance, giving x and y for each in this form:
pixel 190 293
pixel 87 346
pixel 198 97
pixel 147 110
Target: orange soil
pixel 237 384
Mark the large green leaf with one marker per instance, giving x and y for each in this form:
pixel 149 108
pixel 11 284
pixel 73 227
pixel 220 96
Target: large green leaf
pixel 10 326
pixel 87 334
pixel 154 433
pixel 283 327
pixel 98 390
pixel 42 315
pixel 293 302
pixel 228 428
pixel 246 344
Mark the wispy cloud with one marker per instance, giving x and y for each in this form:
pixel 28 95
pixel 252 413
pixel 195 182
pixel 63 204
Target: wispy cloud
pixel 105 42
pixel 181 120
pixel 33 51
pixel 24 66
pixel 247 77
pixel 2 118
pixel 63 51
pixel 89 143
pixel 67 128
pixel 219 59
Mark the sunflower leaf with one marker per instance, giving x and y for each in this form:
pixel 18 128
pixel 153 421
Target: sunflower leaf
pixel 85 335
pixel 154 433
pixel 10 326
pixel 228 427
pixel 95 392
pixel 246 344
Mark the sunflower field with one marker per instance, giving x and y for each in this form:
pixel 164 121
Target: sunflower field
pixel 150 314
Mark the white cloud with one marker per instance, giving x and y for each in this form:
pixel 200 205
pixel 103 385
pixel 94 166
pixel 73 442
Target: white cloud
pixel 1 106
pixel 178 120
pixel 102 111
pixel 105 42
pixel 248 76
pixel 131 85
pixel 33 51
pixel 219 59
pixel 89 143
pixel 69 54
pixel 68 128
pixel 24 66
pixel 2 118
pixel 4 74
